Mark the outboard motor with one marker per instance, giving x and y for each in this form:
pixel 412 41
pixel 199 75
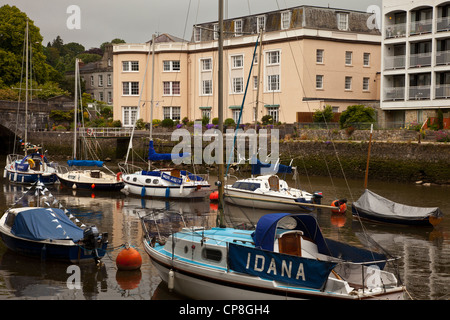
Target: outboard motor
pixel 93 240
pixel 317 197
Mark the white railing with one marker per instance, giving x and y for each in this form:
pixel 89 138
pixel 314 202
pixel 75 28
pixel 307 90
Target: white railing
pixel 394 93
pixel 105 132
pixel 419 92
pixel 395 30
pixel 420 59
pixel 394 62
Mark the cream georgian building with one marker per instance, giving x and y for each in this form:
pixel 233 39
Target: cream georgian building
pixel 311 57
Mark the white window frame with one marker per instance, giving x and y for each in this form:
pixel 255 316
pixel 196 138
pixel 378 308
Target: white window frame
pixel 260 22
pixel 100 96
pixel 172 112
pixel 109 97
pixel 236 84
pixel 130 66
pixel 319 56
pixel 100 80
pixel 348 58
pixel 273 111
pixel 255 82
pixel 273 83
pixel 171 66
pixel 129 88
pixel 235 59
pixel 129 116
pixel 273 57
pixel 366 84
pixel 207 88
pixel 366 59
pixel 206 113
pixel 319 81
pixel 206 64
pixel 348 83
pixel 285 20
pixel 170 85
pixel 238 27
pixel 342 21
pixel 235 114
pixel 109 80
pixel 216 31
pixel 92 81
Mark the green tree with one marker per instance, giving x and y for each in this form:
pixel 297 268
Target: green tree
pixel 356 115
pixel 325 115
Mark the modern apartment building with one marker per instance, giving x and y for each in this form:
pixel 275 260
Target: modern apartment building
pixel 415 75
pixel 311 57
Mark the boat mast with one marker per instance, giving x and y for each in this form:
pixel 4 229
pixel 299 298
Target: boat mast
pixel 368 158
pixel 259 75
pixel 26 90
pixel 75 112
pixel 221 178
pixel 151 97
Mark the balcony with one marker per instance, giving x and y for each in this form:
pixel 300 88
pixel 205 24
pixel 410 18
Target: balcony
pixel 394 62
pixel 394 93
pixel 421 92
pixel 395 31
pixel 443 58
pixel 442 91
pixel 421 26
pixel 443 24
pixel 418 60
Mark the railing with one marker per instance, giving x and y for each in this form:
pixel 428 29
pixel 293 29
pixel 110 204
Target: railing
pixel 419 92
pixel 394 62
pixel 442 91
pixel 443 24
pixel 442 57
pixel 105 132
pixel 422 26
pixel 420 59
pixel 394 93
pixel 395 30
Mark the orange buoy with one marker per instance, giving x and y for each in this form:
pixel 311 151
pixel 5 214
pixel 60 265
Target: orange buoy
pixel 214 196
pixel 93 185
pixel 341 206
pixel 128 259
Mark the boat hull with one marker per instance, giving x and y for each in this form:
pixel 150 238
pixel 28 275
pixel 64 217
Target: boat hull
pixel 69 252
pixel 202 282
pixel 30 178
pixel 91 184
pixel 263 201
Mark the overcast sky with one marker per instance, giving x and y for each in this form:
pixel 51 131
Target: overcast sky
pixel 136 20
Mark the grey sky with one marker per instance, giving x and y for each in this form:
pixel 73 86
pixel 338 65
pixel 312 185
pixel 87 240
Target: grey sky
pixel 136 20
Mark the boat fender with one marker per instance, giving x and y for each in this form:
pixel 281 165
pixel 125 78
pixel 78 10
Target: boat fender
pixel 119 176
pixel 74 186
pixel 341 206
pixel 93 186
pixel 171 281
pixel 143 192
pixel 4 173
pixel 167 192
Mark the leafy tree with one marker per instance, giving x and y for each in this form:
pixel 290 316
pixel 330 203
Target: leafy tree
pixel 356 114
pixel 325 115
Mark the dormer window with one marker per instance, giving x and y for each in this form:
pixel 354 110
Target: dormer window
pixel 342 21
pixel 285 20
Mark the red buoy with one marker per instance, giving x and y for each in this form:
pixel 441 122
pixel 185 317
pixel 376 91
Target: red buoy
pixel 129 259
pixel 214 196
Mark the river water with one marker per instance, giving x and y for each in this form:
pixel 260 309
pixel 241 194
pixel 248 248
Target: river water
pixel 425 252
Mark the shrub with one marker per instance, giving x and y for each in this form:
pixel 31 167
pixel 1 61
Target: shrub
pixel 167 123
pixel 215 121
pixel 442 136
pixel 356 114
pixel 267 119
pixel 185 120
pixel 229 122
pixel 325 115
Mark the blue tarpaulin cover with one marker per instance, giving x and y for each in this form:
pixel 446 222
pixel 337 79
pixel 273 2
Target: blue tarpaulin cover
pixel 279 267
pixel 267 168
pixel 85 163
pixel 153 156
pixel 45 223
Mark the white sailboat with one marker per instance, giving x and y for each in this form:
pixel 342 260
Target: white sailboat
pixel 79 173
pixel 34 165
pixel 285 257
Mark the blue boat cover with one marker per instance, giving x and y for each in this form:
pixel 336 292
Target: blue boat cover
pixel 265 232
pixel 85 163
pixel 153 156
pixel 268 168
pixel 280 267
pixel 45 223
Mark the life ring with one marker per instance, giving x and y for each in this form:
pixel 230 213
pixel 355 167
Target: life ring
pixel 118 176
pixel 341 206
pixel 31 163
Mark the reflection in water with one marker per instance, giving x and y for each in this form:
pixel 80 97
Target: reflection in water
pixel 423 268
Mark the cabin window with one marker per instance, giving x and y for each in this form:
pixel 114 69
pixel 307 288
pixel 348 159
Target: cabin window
pixel 155 181
pixel 10 219
pixel 251 186
pixel 148 181
pixel 212 254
